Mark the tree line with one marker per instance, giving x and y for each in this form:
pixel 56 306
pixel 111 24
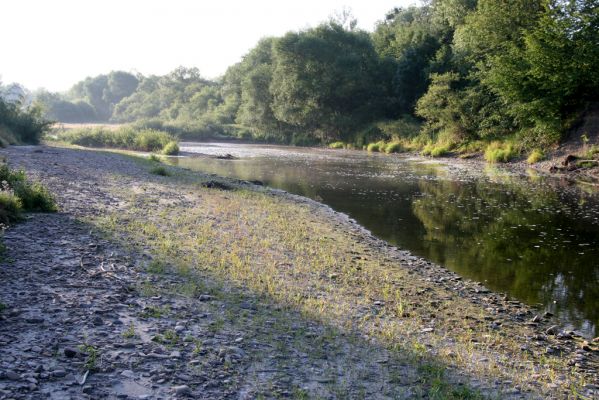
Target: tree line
pixel 447 73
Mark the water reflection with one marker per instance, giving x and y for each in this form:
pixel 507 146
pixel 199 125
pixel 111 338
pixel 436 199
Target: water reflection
pixel 528 236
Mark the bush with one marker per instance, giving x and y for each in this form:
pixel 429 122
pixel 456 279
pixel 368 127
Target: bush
pixel 393 147
pixel 171 148
pixel 337 145
pixel 10 207
pixel 154 158
pixel 18 194
pixel 35 197
pixel 21 125
pixel 500 152
pixel 535 156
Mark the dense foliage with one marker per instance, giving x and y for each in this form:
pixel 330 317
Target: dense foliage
pixel 19 122
pixel 466 71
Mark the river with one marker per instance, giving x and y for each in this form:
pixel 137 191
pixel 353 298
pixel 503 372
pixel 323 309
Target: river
pixel 533 237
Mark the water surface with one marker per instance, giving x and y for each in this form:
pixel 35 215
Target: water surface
pixel 533 237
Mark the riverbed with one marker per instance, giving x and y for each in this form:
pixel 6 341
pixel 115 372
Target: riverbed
pixel 531 236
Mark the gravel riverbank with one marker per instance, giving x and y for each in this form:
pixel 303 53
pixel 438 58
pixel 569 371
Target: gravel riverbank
pixel 188 285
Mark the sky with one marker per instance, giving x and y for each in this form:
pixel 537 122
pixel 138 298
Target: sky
pixel 54 44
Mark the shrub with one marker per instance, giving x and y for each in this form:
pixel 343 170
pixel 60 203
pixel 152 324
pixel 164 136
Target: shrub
pixel 29 196
pixel 154 158
pixel 500 152
pixel 35 197
pixel 393 147
pixel 171 148
pixel 535 156
pixel 337 145
pixel 10 207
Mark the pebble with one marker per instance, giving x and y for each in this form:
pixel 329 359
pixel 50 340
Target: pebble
pixel 182 390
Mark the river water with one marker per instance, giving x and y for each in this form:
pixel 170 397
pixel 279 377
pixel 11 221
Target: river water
pixel 535 238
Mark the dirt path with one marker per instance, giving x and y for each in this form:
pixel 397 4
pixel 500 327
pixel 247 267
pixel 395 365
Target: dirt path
pixel 99 306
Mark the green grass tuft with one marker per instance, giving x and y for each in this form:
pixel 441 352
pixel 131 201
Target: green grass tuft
pixel 337 145
pixel 535 156
pixel 393 147
pixel 171 148
pixel 160 170
pixel 500 152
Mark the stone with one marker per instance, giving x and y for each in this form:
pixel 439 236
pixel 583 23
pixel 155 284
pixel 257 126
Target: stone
pixel 70 353
pixel 13 376
pixel 182 390
pixel 128 374
pixel 552 330
pixel 59 373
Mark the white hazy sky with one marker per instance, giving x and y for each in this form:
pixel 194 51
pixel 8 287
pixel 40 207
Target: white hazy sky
pixel 54 44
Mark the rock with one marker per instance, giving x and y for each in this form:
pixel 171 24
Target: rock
pixel 97 321
pixel 205 297
pixel 59 373
pixel 70 353
pixel 182 390
pixel 128 374
pixel 426 330
pixel 552 330
pixel 34 320
pixel 179 328
pixel 216 185
pixel 11 375
pixel 175 354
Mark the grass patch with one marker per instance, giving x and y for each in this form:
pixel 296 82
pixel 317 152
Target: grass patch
pixel 535 156
pixel 393 147
pixel 435 150
pixel 154 158
pixel 125 137
pixel 376 147
pixel 160 170
pixel 171 148
pixel 500 152
pixel 337 145
pixel 18 194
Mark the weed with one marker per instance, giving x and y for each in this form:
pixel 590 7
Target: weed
pixel 92 355
pixel 171 148
pixel 393 147
pixel 500 152
pixel 156 267
pixel 535 156
pixel 337 145
pixel 154 312
pixel 130 332
pixel 154 158
pixel 160 170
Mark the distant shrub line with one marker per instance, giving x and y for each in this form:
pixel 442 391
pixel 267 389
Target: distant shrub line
pixel 127 137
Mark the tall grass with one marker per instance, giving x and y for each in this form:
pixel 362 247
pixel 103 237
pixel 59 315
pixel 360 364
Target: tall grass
pixel 18 194
pixel 500 152
pixel 125 137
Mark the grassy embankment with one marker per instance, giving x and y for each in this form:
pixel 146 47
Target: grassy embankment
pixel 328 272
pixel 124 137
pixel 407 136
